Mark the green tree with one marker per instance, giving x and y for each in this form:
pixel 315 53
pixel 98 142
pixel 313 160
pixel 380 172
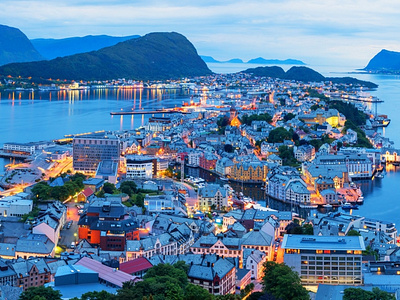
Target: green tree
pixel 360 294
pixel 308 229
pixel 278 135
pixel 109 188
pixel 282 282
pixel 353 232
pixel 40 292
pixel 95 295
pixel 41 190
pixel 288 117
pixel 128 187
pixel 195 292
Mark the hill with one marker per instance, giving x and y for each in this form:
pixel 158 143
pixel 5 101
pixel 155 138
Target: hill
pixel 15 46
pixel 209 59
pixel 52 48
pixel 151 57
pixel 263 61
pixel 305 74
pixel 385 62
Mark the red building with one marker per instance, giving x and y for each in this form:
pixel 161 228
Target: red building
pixel 136 267
pixel 106 224
pixel 208 161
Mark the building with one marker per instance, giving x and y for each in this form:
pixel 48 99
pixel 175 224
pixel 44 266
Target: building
pixel 223 166
pixel 15 206
pixel 253 260
pixel 163 244
pixel 217 277
pixel 304 153
pixel 24 148
pixel 95 184
pixel 36 245
pixel 249 171
pixel 208 161
pixel 193 158
pixel 7 274
pixel 32 272
pixel 136 267
pixel 106 224
pixel 159 124
pixel 212 195
pixel 107 171
pixel 325 259
pixel 139 166
pixel 89 150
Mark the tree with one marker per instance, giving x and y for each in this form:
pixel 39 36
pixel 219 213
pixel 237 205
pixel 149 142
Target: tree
pixel 278 135
pixel 95 295
pixel 109 188
pixel 195 292
pixel 360 294
pixel 228 148
pixel 288 117
pixel 353 232
pixel 40 292
pixel 128 187
pixel 282 282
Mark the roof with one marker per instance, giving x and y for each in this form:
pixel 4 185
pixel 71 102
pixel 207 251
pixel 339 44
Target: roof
pixel 136 265
pixel 108 274
pixel 87 192
pixel 35 243
pixel 7 249
pixel 306 242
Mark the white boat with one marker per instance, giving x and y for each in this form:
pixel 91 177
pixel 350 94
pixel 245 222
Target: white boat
pixel 308 206
pixel 224 179
pixel 360 199
pixel 327 205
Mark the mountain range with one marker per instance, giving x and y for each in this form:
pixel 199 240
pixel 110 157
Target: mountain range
pixel 258 60
pixel 52 48
pixel 305 74
pixel 154 56
pixel 16 47
pixel 384 62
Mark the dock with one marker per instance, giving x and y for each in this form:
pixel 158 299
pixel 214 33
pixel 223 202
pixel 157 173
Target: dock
pixel 148 112
pixel 13 155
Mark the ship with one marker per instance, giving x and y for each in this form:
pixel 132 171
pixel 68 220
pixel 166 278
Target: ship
pixel 380 121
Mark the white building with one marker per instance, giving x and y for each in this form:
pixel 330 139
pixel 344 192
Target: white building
pixel 18 147
pixel 194 158
pixel 15 206
pixel 325 259
pixel 138 166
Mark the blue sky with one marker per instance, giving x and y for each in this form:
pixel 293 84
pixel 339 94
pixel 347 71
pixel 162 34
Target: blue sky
pixel 317 32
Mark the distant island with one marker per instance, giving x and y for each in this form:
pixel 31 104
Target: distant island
pixel 53 48
pixel 155 56
pixel 305 74
pixel 258 60
pixel 16 47
pixel 385 62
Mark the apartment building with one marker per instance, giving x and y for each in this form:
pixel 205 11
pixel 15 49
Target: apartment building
pixel 325 259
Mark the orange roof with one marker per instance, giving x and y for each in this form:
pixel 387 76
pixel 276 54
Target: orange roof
pixel 87 192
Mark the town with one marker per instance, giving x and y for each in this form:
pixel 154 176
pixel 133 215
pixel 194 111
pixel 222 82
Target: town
pixel 114 205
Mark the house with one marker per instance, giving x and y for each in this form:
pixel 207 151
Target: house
pixel 85 195
pixel 136 267
pixel 36 245
pixel 95 184
pixel 208 161
pixel 31 272
pixel 253 260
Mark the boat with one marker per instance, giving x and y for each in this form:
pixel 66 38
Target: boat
pixel 308 206
pixel 380 121
pixel 327 205
pixel 224 179
pixel 348 206
pixel 379 175
pixel 360 200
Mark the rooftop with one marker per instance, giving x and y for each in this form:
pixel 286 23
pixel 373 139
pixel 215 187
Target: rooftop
pixel 306 242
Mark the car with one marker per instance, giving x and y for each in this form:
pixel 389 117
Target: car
pixel 72 245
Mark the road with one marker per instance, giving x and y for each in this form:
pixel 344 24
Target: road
pixel 67 236
pixel 191 197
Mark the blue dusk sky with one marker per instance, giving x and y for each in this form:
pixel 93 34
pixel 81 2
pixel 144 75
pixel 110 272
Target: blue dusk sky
pixel 341 32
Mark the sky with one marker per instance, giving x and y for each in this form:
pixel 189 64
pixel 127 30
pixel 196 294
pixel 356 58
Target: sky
pixel 333 32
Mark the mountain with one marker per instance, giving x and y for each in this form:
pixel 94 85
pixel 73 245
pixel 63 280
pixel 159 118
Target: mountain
pixel 263 61
pixel 209 59
pixel 384 62
pixel 305 74
pixel 234 61
pixel 52 48
pixel 15 46
pixel 273 72
pixel 151 57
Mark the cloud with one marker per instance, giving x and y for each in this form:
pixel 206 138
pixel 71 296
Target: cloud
pixel 309 30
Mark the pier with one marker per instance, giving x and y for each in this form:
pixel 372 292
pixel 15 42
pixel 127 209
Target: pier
pixel 148 112
pixel 14 155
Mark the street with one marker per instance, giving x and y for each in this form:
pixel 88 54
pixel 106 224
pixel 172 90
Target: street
pixel 67 236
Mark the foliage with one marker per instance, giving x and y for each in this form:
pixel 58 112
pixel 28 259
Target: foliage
pixel 282 282
pixel 43 191
pixel 287 156
pixel 369 251
pixel 315 94
pixel 34 213
pixel 362 140
pixel 247 119
pixel 228 148
pixel 353 232
pixel 315 106
pixel 295 228
pixel 95 295
pixel 128 187
pixel 109 188
pixel 288 117
pixel 350 111
pixel 40 292
pixel 360 294
pixel 278 135
pixel 151 57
